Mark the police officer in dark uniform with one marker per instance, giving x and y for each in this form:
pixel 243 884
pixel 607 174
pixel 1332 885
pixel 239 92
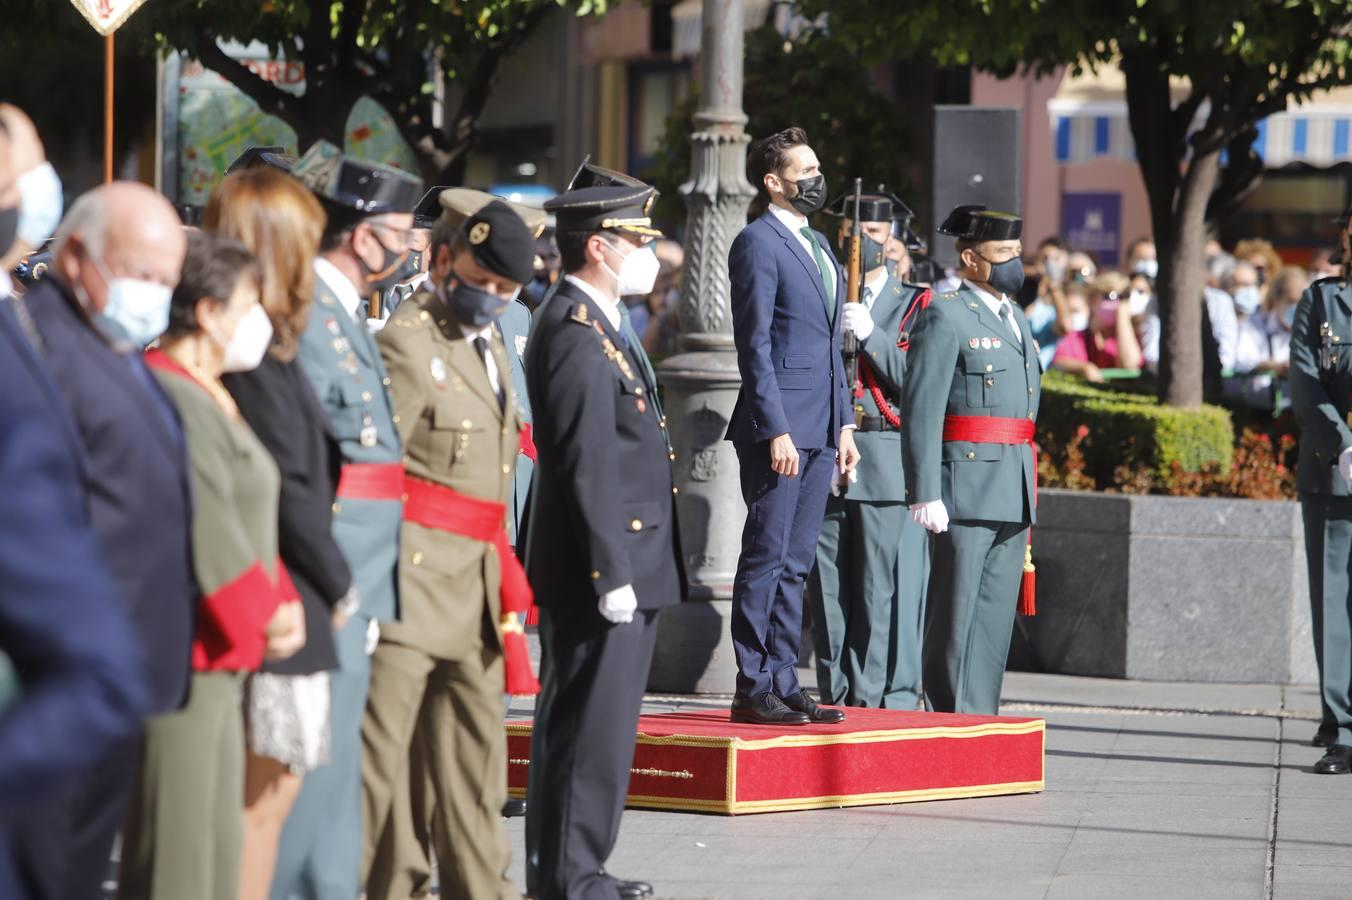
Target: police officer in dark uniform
pixel 1321 394
pixel 602 549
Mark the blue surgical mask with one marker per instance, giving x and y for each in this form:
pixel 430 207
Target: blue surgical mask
pixel 139 308
pixel 1248 299
pixel 40 201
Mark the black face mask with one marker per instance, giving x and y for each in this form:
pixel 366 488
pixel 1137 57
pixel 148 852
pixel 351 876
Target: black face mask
pixel 394 268
pixel 473 306
pixel 870 252
pixel 811 194
pixel 9 228
pixel 1006 277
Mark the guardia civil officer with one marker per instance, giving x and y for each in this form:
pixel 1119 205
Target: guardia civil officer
pixel 866 592
pixel 364 252
pixel 602 549
pixel 437 675
pixel 1321 394
pixel 969 402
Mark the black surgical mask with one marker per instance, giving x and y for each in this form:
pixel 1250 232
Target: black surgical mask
pixel 473 306
pixel 811 194
pixel 1006 277
pixel 9 228
pixel 394 268
pixel 870 252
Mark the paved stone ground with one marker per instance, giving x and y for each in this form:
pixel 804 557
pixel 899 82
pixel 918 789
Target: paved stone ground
pixel 1153 791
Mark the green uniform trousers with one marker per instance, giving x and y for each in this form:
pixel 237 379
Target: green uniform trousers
pixel 866 596
pixel 1328 553
pixel 185 824
pixel 976 568
pixel 454 708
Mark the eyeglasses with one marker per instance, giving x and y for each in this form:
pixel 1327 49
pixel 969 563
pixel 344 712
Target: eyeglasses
pixel 404 235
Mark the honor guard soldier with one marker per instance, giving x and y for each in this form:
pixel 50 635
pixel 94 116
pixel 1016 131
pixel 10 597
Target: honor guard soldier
pixel 1321 394
pixel 364 251
pixel 463 593
pixel 867 591
pixel 602 548
pixel 968 406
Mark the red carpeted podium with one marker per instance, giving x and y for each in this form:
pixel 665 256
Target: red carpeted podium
pixel 701 762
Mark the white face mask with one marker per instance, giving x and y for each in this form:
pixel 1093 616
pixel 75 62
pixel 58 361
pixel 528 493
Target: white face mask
pixel 638 271
pixel 1150 268
pixel 140 308
pixel 245 349
pixel 1139 303
pixel 39 204
pixel 1247 299
pixel 1079 321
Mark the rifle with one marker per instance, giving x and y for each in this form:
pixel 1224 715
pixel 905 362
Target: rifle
pixel 853 283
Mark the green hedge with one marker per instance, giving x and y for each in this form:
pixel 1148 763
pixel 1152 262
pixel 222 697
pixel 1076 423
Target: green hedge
pixel 1132 429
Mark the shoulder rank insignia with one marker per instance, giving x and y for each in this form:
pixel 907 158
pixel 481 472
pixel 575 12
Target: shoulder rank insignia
pixel 580 314
pixel 520 343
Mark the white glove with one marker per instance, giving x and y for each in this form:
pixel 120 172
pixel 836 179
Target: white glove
pixel 858 320
pixel 372 636
pixel 932 516
pixel 1345 466
pixel 618 606
pixel 835 477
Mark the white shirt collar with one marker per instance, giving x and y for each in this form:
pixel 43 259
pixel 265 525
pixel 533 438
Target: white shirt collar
pixel 792 221
pixel 609 307
pixel 471 332
pixel 6 285
pixel 339 284
pixel 875 286
pixel 992 302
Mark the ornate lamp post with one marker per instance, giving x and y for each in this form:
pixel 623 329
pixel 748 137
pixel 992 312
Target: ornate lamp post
pixel 694 648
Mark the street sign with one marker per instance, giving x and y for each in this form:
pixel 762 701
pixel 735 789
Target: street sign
pixel 107 16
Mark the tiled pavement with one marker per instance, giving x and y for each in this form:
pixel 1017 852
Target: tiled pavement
pixel 1153 791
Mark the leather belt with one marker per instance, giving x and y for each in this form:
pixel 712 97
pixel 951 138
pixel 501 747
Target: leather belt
pixel 877 423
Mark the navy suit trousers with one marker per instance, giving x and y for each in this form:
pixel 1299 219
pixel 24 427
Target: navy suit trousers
pixel 779 545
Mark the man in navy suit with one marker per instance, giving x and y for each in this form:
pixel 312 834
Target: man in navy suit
pixel 118 255
pixel 791 427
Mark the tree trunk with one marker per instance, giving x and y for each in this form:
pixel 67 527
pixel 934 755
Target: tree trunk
pixel 1181 284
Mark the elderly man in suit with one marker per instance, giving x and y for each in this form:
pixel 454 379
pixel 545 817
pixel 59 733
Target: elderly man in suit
pixel 118 255
pixel 791 427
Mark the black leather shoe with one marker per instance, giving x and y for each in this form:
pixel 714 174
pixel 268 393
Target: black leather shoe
pixel 1324 738
pixel 634 889
pixel 765 709
pixel 514 809
pixel 803 703
pixel 1338 761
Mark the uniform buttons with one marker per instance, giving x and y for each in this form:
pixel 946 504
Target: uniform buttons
pixel 672 456
pixel 386 382
pixel 467 424
pixel 636 525
pixel 417 556
pixel 337 509
pixel 638 391
pixel 506 468
pixel 596 576
pixel 971 455
pixel 1030 417
pixel 990 368
pixel 396 419
pixel 675 490
pixel 1030 392
pixel 424 315
pixel 366 396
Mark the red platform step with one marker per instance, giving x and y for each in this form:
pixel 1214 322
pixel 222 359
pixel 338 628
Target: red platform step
pixel 701 762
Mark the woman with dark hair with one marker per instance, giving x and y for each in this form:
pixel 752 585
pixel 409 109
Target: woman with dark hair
pixel 288 703
pixel 184 829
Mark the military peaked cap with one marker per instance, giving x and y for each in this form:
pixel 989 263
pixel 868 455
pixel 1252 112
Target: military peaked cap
pixel 609 208
pixel 458 204
pixel 364 187
pixel 977 223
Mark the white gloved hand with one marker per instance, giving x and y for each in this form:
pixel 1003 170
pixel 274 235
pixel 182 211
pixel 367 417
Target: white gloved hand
pixel 858 320
pixel 618 606
pixel 932 516
pixel 835 477
pixel 1345 466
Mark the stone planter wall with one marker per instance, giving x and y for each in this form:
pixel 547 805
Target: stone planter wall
pixel 1169 588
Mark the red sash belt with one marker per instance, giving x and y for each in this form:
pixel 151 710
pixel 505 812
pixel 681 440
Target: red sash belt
pixel 990 430
pixel 440 508
pixel 371 481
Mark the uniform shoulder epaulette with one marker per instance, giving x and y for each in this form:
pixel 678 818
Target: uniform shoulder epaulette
pixel 579 314
pixel 1336 280
pixel 950 295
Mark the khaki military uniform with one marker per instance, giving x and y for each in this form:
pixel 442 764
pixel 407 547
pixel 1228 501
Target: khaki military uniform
pixel 437 674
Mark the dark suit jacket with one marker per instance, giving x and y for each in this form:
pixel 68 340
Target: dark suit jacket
pixel 63 625
pixel 280 406
pixel 603 513
pixel 788 343
pixel 137 474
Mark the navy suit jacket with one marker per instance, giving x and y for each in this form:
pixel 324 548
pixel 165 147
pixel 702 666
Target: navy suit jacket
pixel 788 340
pixel 137 476
pixel 62 624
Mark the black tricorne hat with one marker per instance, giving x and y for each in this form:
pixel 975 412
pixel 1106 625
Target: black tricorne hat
pixel 500 242
pixel 365 188
pixel 874 206
pixel 974 222
pixel 605 208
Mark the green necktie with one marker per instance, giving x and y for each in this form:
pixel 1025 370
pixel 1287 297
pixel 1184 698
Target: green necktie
pixel 806 231
pixel 635 344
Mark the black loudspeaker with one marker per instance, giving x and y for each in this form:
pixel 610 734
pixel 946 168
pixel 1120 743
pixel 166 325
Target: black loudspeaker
pixel 976 160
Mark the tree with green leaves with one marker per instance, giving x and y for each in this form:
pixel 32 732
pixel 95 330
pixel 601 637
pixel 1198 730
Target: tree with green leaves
pixel 388 50
pixel 1241 60
pixel 814 81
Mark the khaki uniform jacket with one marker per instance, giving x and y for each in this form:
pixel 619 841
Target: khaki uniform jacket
pixel 455 435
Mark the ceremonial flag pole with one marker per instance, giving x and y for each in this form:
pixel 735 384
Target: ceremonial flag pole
pixel 108 108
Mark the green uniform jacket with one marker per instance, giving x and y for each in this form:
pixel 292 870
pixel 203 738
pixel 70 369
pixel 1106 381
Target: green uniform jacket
pixel 340 359
pixel 1321 383
pixel 880 478
pixel 454 435
pixel 964 361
